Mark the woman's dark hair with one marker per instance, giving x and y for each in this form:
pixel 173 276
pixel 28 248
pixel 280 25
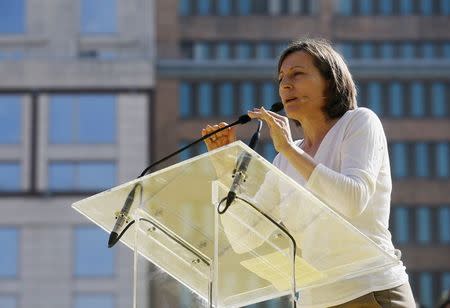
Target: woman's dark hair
pixel 341 92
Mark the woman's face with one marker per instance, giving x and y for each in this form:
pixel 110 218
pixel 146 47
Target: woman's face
pixel 301 86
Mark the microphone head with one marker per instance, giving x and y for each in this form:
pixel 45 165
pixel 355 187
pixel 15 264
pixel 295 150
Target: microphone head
pixel 278 106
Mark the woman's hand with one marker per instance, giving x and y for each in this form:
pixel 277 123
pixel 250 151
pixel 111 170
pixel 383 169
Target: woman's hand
pixel 280 132
pixel 221 138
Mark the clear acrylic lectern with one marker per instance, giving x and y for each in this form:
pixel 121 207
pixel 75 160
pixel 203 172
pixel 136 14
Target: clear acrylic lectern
pixel 245 255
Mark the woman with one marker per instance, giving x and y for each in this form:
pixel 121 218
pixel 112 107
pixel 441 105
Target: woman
pixel 342 159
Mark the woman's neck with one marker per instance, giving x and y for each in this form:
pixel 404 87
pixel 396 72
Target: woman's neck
pixel 314 130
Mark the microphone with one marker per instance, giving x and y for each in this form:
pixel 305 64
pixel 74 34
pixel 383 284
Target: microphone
pixel 278 106
pixel 122 217
pixel 240 172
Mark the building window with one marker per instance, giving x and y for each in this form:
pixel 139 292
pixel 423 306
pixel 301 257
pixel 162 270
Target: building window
pixel 92 257
pixel 202 51
pixel 442 160
pixel 193 151
pixel 185 100
pixel 263 51
pixel 204 7
pixel 82 119
pixel 345 7
pixel 8 301
pixel 438 100
pixel 423 225
pixel 226 99
pixel 243 51
pixel 94 301
pixel 421 159
pixel 81 176
pixel 426 294
pixel 417 99
pixel 269 94
pixel 268 151
pixel 396 105
pixel 387 51
pixel 247 97
pixel 374 99
pixel 205 99
pixel 399 160
pixel 444 226
pixel 10 177
pixel 98 17
pixel 244 7
pixel 13 16
pixel 10 119
pixel 9 257
pixel 401 225
pixel 406 7
pixel 223 51
pixel 224 7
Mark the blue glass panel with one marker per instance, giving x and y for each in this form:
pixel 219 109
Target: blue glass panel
pixel 423 223
pixel 243 51
pixel 399 160
pixel 94 301
pixel 224 7
pixel 428 51
pixel 201 51
pixel 204 7
pixel 185 100
pixel 444 226
pixel 8 301
pixel 13 16
pixel 184 7
pixel 366 7
pixel 98 17
pixel 244 7
pixel 10 119
pixel 269 151
pixel 96 176
pixel 446 50
pixel 445 281
pixel 406 7
pixel 421 160
pixel 426 7
pixel 62 176
pixel 226 99
pixel 367 51
pixel 223 51
pixel 407 51
pixel 438 101
pixel 442 160
pixel 445 7
pixel 63 124
pixel 263 51
pixel 92 256
pixel 10 179
pixel 396 106
pixel 387 51
pixel 10 252
pixel 426 290
pixel 12 55
pixel 247 97
pixel 205 101
pixel 374 97
pixel 346 50
pixel 269 95
pixel 386 7
pixel 401 225
pixel 186 154
pixel 345 7
pixel 417 99
pixel 97 119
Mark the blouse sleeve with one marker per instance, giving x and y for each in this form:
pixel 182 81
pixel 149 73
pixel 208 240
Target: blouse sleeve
pixel 361 152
